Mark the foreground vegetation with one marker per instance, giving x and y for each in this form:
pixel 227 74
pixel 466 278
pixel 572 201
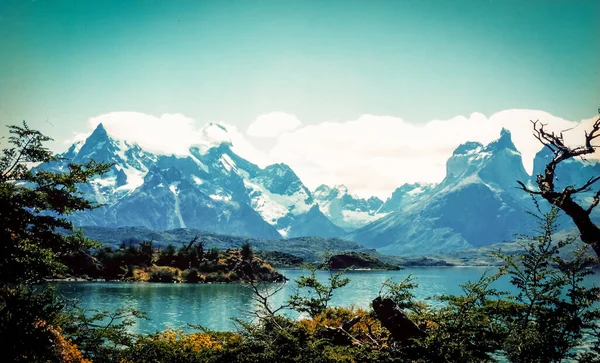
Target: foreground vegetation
pixel 552 317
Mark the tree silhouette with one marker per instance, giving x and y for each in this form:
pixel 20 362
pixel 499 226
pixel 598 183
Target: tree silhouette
pixel 34 206
pixel 563 199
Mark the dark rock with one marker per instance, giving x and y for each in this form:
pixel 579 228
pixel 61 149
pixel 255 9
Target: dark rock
pixel 395 320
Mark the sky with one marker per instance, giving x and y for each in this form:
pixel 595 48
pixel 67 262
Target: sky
pixel 343 91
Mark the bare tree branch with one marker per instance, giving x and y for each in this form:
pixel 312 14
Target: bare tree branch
pixel 584 188
pixel 590 233
pixel 595 202
pixel 523 187
pixel 262 294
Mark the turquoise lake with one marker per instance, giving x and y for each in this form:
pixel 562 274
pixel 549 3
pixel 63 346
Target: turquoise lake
pixel 214 305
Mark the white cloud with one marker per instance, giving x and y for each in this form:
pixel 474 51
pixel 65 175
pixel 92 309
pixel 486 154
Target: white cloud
pixel 376 154
pixel 372 155
pixel 273 124
pixel 172 134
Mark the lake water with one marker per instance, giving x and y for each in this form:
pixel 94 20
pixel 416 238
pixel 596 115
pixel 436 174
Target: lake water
pixel 214 305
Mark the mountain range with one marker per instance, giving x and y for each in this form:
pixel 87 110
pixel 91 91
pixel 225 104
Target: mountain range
pixel 213 189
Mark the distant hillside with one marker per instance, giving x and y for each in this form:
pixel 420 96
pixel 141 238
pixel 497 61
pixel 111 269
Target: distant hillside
pixel 482 256
pixel 213 189
pixel 283 253
pixel 309 249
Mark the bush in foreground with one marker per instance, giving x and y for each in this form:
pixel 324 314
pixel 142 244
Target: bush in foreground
pixel 550 316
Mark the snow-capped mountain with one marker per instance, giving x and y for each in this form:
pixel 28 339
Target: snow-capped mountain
pixel 476 204
pixel 405 195
pixel 211 188
pixel 216 190
pixel 346 210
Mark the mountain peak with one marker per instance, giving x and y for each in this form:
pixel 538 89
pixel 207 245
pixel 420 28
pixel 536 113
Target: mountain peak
pixel 213 134
pixel 216 132
pixel 504 142
pixel 323 188
pixel 341 189
pixel 99 133
pixel 469 147
pixel 96 145
pixel 281 170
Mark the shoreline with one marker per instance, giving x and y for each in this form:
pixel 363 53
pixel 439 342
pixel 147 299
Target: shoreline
pixel 402 268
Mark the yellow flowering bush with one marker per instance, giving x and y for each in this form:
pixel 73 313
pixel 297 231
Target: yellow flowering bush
pixel 66 350
pixel 178 346
pixel 194 342
pixel 366 330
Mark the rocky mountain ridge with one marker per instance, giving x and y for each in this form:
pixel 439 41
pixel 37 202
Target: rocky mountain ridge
pixel 216 190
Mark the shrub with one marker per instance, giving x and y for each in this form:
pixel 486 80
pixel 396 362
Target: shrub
pixel 168 257
pixel 213 254
pixel 314 296
pixel 234 276
pixel 163 274
pixel 191 275
pixel 247 252
pixel 212 277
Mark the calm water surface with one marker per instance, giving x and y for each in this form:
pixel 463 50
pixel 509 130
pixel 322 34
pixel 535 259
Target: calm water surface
pixel 214 305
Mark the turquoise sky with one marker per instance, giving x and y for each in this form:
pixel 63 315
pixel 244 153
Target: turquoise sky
pixel 67 61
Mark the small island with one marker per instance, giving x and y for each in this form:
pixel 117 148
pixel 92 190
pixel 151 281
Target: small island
pixel 189 264
pixel 358 261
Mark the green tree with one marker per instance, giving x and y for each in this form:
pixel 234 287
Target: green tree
pixel 553 309
pixel 34 206
pixel 246 251
pixel 167 256
pixel 312 296
pixel 146 251
pixel 213 254
pixel 550 312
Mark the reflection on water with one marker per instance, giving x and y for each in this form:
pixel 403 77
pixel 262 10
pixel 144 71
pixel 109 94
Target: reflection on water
pixel 214 305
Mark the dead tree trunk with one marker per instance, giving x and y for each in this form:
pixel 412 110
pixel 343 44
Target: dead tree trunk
pixel 589 232
pixel 395 320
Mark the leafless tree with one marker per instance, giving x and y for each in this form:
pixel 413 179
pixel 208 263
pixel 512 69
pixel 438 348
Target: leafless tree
pixel 563 199
pixel 262 294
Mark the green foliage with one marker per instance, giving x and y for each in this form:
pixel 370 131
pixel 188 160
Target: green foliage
pixel 401 293
pixel 34 208
pixel 316 295
pixel 100 335
pixel 117 264
pixel 466 329
pixel 166 257
pixel 247 253
pixel 163 274
pixel 213 254
pixel 553 308
pixel 482 324
pixel 25 318
pixel 191 275
pixel 190 256
pixel 547 318
pixel 145 253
